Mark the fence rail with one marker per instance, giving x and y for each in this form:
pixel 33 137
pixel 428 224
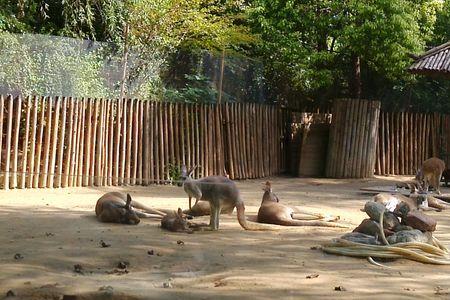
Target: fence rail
pixel 64 142
pixel 406 139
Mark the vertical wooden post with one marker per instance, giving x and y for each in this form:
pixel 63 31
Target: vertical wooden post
pixel 15 149
pixel 54 141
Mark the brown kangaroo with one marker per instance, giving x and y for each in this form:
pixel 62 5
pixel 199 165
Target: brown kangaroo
pixel 430 174
pixel 116 207
pixel 220 192
pixel 273 212
pixel 176 221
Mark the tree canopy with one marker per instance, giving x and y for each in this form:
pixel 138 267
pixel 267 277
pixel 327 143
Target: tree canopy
pixel 310 51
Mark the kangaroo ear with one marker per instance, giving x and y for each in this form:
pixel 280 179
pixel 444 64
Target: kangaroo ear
pixel 180 212
pixel 128 204
pixel 191 171
pixel 184 171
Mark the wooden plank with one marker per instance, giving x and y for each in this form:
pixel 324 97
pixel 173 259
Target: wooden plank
pixel 60 147
pixel 155 129
pixel 159 156
pixel 350 147
pixel 228 142
pixel 198 140
pixel 25 139
pixel 105 146
pixel 74 153
pixel 171 142
pixel 9 127
pixel 130 107
pixel 331 143
pixel 147 169
pixel 140 127
pixel 80 143
pixel 187 125
pixel 123 142
pixel 2 111
pixel 48 129
pixel 162 166
pixel 211 142
pixel 68 151
pixel 34 125
pixel 362 114
pixel 95 120
pixel 15 142
pixel 88 141
pixel 38 153
pixel 192 134
pixel 381 139
pixel 99 144
pixel 112 109
pixel 177 145
pixel 54 143
pixel 135 143
pixel 117 138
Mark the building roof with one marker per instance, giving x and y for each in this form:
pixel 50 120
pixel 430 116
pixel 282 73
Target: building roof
pixel 433 62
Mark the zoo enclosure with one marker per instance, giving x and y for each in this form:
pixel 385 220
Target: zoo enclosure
pixel 65 142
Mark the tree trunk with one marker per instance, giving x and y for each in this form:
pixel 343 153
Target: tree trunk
pixel 355 87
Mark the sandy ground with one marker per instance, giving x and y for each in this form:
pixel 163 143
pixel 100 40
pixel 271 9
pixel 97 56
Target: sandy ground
pixel 55 229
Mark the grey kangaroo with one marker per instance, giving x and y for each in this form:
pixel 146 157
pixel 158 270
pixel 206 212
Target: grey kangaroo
pixel 273 212
pixel 220 192
pixel 115 207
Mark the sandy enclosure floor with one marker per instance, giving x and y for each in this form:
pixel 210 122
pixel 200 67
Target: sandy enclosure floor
pixel 55 229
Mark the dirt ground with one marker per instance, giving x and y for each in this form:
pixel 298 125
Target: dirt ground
pixel 53 230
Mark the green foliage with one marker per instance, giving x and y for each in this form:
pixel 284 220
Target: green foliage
pixel 197 89
pixel 312 43
pixel 174 173
pixel 34 64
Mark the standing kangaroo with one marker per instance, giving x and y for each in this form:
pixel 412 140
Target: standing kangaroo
pixel 220 192
pixel 430 174
pixel 115 207
pixel 272 212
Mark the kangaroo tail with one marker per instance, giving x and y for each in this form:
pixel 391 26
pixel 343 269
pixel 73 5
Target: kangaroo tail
pixel 148 209
pixel 240 209
pixel 288 222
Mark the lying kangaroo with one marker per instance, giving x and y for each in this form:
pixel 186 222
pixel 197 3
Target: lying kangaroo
pixel 115 207
pixel 220 192
pixel 272 212
pixel 430 174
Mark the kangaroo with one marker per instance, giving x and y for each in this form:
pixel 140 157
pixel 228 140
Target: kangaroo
pixel 273 212
pixel 202 208
pixel 415 201
pixel 430 174
pixel 220 192
pixel 115 207
pixel 176 221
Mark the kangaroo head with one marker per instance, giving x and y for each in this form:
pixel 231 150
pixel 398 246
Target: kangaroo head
pixel 128 215
pixel 185 174
pixel 181 221
pixel 267 187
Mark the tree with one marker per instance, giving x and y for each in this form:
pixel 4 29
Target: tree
pixel 338 48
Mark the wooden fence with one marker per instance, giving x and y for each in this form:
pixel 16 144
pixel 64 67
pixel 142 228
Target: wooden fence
pixel 64 142
pixel 406 139
pixel 353 138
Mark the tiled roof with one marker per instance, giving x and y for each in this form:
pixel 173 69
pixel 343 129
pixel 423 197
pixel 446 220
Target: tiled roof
pixel 434 62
